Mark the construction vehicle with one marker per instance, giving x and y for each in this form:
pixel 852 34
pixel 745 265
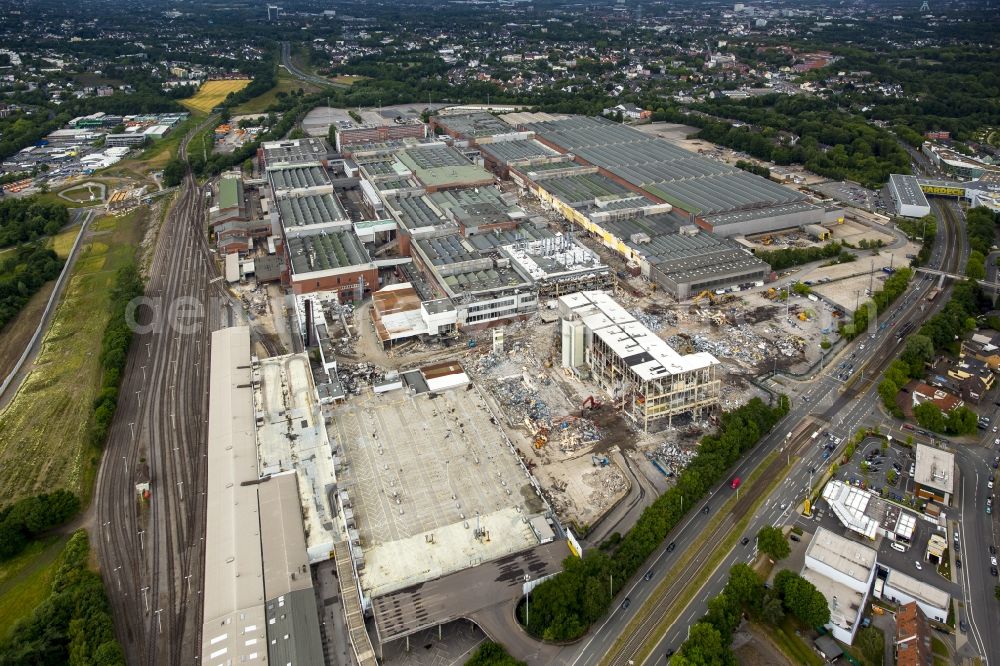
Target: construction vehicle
pixel 803 316
pixel 771 293
pixel 600 461
pixel 540 440
pixel 592 403
pixel 703 295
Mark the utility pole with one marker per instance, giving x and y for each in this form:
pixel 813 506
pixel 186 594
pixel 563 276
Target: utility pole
pixel 145 601
pixel 159 622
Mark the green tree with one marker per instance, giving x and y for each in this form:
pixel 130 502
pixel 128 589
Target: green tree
pixel 771 540
pixel 802 599
pixel 929 416
pixel 704 647
pixel 492 654
pixel 871 642
pixel 771 609
pixel 975 267
pixel 173 173
pixel 744 586
pixel 331 134
pixel 723 614
pixel 918 352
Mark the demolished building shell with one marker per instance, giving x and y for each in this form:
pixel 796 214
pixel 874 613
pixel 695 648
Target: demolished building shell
pixel 644 375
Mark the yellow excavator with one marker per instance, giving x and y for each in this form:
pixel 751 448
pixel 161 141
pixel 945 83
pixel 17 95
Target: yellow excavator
pixel 702 296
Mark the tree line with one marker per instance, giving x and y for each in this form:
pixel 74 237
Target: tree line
pixel 891 289
pixel 31 517
pixel 114 350
pixel 491 654
pixel 787 257
pixel 22 273
pixel 795 129
pixel 28 219
pixel 73 625
pixel 955 319
pixel 924 228
pixel 709 640
pixel 563 607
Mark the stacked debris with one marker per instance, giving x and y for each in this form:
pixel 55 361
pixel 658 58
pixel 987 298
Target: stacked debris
pixel 575 433
pixel 608 482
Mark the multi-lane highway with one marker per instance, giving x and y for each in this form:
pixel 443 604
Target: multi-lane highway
pixel 150 552
pixel 840 409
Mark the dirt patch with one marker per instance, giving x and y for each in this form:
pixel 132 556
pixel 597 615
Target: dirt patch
pixel 754 648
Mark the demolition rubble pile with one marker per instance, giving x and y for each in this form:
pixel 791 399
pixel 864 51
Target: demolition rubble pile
pixel 671 458
pixel 607 483
pixel 743 344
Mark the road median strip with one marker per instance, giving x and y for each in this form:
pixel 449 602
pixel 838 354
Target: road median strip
pixel 691 589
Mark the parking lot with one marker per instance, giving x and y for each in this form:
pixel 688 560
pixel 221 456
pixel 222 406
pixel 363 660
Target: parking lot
pixel 878 469
pixel 906 561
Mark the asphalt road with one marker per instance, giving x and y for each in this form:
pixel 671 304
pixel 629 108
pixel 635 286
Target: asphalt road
pixel 847 411
pixel 151 554
pixel 85 216
pixel 286 62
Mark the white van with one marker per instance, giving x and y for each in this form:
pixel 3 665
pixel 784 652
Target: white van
pixel 895 545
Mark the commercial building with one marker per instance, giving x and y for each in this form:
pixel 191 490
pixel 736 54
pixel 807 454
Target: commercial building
pixel 230 202
pixel 476 125
pixel 843 571
pixel 912 645
pixel 865 513
pixel 957 164
pixel 349 134
pixel 294 151
pixel 399 314
pixel 715 196
pixel 934 474
pixel 668 248
pixel 639 370
pixel 901 588
pixel 258 603
pixel 909 198
pixel 126 140
pixel 437 534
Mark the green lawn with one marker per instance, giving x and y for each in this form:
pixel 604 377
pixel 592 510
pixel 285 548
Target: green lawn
pixel 286 84
pixel 25 581
pixel 43 430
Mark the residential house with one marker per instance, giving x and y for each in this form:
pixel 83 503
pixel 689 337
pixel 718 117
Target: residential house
pixel 983 346
pixel 913 637
pixel 921 393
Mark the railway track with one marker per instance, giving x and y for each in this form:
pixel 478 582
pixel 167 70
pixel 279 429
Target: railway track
pixel 151 553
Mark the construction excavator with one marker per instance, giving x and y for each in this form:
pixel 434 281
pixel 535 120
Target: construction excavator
pixel 702 296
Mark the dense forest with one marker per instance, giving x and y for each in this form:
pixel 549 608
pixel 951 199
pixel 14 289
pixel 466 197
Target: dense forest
pixel 28 219
pixel 31 517
pixel 563 607
pixel 72 625
pixel 22 273
pixel 800 130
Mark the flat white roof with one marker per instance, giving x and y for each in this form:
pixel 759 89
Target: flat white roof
pixel 845 604
pixel 234 573
pixel 647 354
pixel 935 468
pixel 292 436
pixel 849 557
pixel 919 590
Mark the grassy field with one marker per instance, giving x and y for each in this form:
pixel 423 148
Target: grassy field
pixel 86 193
pixel 26 580
pixel 16 334
pixel 286 84
pixel 43 429
pixel 211 94
pixel 347 79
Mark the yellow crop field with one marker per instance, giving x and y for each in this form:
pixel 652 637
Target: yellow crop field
pixel 211 94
